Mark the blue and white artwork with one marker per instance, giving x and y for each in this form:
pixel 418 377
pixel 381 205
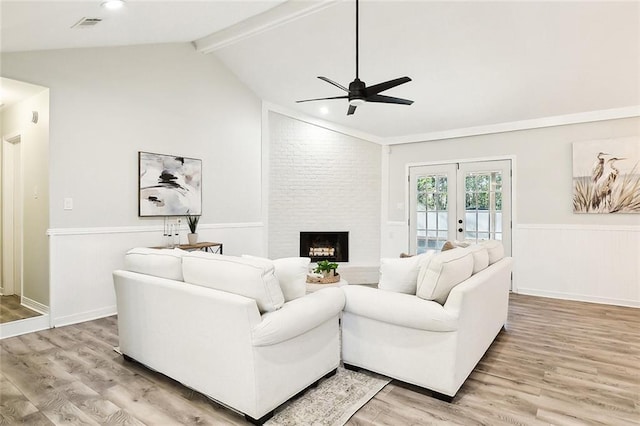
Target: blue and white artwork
pixel 606 176
pixel 169 185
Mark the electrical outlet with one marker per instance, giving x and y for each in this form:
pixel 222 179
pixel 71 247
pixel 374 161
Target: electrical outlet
pixel 68 203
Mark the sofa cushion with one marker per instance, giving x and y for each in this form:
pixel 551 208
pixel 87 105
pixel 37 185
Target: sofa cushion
pixel 291 273
pixel 480 257
pixel 495 249
pixel 163 263
pixel 400 274
pixel 443 271
pixel 247 277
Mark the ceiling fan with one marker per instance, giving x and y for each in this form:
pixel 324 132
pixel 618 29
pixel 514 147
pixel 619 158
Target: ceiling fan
pixel 358 93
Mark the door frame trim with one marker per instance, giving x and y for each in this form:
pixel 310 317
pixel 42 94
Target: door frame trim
pixel 514 218
pixel 12 139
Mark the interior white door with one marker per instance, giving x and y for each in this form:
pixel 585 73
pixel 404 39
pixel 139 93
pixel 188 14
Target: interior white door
pixel 459 201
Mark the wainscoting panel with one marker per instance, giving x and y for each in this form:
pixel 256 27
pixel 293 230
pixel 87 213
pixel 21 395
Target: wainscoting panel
pixel 82 261
pixel 590 263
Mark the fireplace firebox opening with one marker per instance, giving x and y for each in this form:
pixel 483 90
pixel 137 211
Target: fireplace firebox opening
pixel 331 246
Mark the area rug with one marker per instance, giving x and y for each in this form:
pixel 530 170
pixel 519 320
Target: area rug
pixel 332 402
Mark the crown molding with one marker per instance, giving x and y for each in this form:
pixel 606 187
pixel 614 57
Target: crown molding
pixel 536 123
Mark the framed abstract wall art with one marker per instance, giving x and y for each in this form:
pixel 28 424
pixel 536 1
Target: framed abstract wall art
pixel 606 176
pixel 169 185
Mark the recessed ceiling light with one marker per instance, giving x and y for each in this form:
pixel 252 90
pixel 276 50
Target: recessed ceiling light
pixel 324 110
pixel 113 4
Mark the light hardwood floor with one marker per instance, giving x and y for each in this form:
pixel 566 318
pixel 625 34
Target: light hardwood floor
pixel 12 310
pixel 557 362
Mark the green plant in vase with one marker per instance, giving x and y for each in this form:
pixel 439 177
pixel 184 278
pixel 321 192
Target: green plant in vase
pixel 192 221
pixel 326 268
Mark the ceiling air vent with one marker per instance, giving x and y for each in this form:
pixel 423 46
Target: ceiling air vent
pixel 87 22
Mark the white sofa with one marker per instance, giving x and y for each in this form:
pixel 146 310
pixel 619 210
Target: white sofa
pixel 221 325
pixel 434 333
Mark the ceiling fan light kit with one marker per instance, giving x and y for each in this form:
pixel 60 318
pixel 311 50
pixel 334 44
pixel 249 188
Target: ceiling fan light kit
pixel 358 93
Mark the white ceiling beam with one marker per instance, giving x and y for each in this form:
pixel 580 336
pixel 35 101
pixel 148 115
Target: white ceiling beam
pixel 272 18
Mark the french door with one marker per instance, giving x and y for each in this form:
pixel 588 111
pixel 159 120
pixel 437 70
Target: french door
pixel 459 201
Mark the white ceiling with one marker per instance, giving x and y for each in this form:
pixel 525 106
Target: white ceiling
pixel 473 63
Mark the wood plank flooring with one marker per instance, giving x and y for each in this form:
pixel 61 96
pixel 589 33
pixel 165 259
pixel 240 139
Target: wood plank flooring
pixel 12 310
pixel 558 362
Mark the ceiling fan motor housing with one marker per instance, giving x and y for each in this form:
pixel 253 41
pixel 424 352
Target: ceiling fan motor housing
pixel 357 93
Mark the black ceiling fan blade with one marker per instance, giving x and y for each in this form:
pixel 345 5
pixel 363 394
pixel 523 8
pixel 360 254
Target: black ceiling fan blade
pixel 352 109
pixel 338 85
pixel 322 99
pixel 381 87
pixel 388 100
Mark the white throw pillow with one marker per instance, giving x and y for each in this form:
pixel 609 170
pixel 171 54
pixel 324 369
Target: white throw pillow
pixel 442 272
pixel 400 274
pixel 480 257
pixel 291 273
pixel 162 263
pixel 495 249
pixel 247 277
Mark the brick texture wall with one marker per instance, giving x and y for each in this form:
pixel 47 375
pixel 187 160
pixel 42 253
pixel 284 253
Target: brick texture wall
pixel 321 180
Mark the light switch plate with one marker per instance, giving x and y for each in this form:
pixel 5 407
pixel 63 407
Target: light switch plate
pixel 68 203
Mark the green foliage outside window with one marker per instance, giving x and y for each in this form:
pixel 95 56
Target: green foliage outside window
pixel 432 192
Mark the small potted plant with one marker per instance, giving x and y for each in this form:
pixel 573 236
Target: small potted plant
pixel 192 221
pixel 326 268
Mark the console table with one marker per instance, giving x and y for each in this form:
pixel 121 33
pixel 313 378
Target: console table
pixel 204 246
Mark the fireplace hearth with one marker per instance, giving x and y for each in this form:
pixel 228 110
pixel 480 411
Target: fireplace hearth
pixel 331 246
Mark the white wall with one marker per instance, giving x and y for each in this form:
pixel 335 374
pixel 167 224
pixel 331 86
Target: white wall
pixel 106 105
pixel 556 252
pixel 34 148
pixel 323 180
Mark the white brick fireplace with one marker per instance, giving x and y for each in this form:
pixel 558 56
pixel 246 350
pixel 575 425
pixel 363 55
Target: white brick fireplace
pixel 320 180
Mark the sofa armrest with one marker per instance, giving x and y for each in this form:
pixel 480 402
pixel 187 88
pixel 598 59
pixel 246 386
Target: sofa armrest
pixel 404 310
pixel 486 292
pixel 298 316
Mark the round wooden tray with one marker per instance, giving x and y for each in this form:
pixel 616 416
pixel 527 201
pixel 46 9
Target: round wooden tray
pixel 324 280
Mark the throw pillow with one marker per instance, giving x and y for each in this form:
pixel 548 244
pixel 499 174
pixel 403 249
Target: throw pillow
pixel 495 249
pixel 440 273
pixel 291 273
pixel 401 274
pixel 480 257
pixel 162 263
pixel 252 278
pixel 449 245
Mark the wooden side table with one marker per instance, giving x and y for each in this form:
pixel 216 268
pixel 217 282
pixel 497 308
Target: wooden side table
pixel 204 246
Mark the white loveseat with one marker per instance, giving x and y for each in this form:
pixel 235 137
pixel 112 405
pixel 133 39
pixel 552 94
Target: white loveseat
pixel 430 326
pixel 221 325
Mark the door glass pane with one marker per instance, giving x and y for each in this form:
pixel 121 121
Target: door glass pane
pixel 431 225
pixel 483 205
pixel 443 220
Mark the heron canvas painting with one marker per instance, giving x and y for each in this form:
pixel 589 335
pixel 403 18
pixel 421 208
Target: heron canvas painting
pixel 169 185
pixel 606 176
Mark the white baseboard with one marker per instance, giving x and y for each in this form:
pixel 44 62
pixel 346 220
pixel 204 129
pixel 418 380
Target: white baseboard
pixel 34 306
pixel 579 297
pixel 29 325
pixel 85 316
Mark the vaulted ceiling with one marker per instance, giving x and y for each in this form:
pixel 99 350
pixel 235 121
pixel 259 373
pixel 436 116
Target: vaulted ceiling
pixel 473 63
